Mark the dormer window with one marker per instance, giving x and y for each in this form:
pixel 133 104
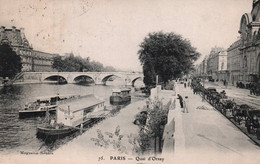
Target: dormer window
pixel 254 17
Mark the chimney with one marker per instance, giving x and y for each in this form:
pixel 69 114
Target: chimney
pixel 22 33
pixel 255 2
pixel 2 28
pixel 13 28
pixel 22 30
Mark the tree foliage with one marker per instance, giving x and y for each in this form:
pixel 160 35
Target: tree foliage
pixel 10 62
pixel 167 55
pixel 151 122
pixel 73 63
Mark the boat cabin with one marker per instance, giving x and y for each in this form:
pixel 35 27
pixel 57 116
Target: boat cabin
pixel 49 100
pixel 79 111
pixel 121 92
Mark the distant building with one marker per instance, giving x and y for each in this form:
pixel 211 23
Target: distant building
pixel 42 61
pixel 31 60
pixel 217 64
pixel 204 66
pixel 197 70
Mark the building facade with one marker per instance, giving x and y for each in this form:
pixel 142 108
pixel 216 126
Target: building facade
pixel 31 60
pixel 16 39
pixel 244 54
pixel 42 61
pixel 234 63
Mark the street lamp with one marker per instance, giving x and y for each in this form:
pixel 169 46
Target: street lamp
pixel 156 80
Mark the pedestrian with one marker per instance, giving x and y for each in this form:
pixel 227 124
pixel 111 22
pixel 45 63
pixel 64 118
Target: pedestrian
pixel 185 85
pixel 181 100
pixel 226 83
pixel 186 105
pixel 81 128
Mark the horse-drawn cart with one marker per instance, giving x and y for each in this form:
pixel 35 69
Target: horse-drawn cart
pixel 239 112
pixel 226 105
pixel 253 122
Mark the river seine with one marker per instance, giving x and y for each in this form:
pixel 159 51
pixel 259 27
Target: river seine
pixel 20 134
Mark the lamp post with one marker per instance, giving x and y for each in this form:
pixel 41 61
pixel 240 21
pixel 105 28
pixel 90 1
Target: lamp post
pixel 203 81
pixel 156 86
pixel 156 80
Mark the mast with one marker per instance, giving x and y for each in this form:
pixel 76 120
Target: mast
pixel 58 84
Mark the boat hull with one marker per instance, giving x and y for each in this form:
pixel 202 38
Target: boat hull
pixel 52 132
pixel 35 113
pixel 120 99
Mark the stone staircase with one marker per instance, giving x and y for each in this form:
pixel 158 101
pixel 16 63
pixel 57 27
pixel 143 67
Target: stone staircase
pixel 11 81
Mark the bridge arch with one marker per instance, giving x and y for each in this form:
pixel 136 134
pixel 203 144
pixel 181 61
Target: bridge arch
pixel 58 78
pixel 83 79
pixel 134 80
pixel 104 80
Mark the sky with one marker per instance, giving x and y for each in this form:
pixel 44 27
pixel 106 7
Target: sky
pixel 110 31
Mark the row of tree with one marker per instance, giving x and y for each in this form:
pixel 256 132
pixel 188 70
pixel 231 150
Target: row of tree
pixel 167 55
pixel 72 63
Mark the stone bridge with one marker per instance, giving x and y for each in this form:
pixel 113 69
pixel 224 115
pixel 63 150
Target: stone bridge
pixel 99 78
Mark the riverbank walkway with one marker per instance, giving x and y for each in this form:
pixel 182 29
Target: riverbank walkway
pixel 203 135
pixel 84 149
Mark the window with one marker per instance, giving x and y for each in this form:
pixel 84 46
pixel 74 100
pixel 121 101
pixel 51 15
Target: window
pixel 245 62
pixel 222 65
pixel 88 110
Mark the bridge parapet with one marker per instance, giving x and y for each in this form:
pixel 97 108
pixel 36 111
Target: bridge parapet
pixel 97 77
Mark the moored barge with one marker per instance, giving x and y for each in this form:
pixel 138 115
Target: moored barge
pixel 120 96
pixel 73 116
pixel 43 104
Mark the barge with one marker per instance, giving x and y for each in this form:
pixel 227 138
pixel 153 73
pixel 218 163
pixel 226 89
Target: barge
pixel 73 116
pixel 120 96
pixel 43 104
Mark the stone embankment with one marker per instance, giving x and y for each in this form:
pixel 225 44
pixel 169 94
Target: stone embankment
pixel 85 149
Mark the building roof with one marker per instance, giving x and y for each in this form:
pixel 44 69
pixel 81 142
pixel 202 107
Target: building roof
pixel 81 103
pixel 121 90
pixel 14 37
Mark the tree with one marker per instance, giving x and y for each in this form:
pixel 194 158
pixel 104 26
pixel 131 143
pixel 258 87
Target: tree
pixel 10 62
pixel 167 55
pixel 109 69
pixel 97 66
pixel 73 63
pixel 58 63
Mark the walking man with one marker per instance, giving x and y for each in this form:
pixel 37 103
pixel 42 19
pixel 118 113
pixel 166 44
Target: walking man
pixel 186 105
pixel 181 100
